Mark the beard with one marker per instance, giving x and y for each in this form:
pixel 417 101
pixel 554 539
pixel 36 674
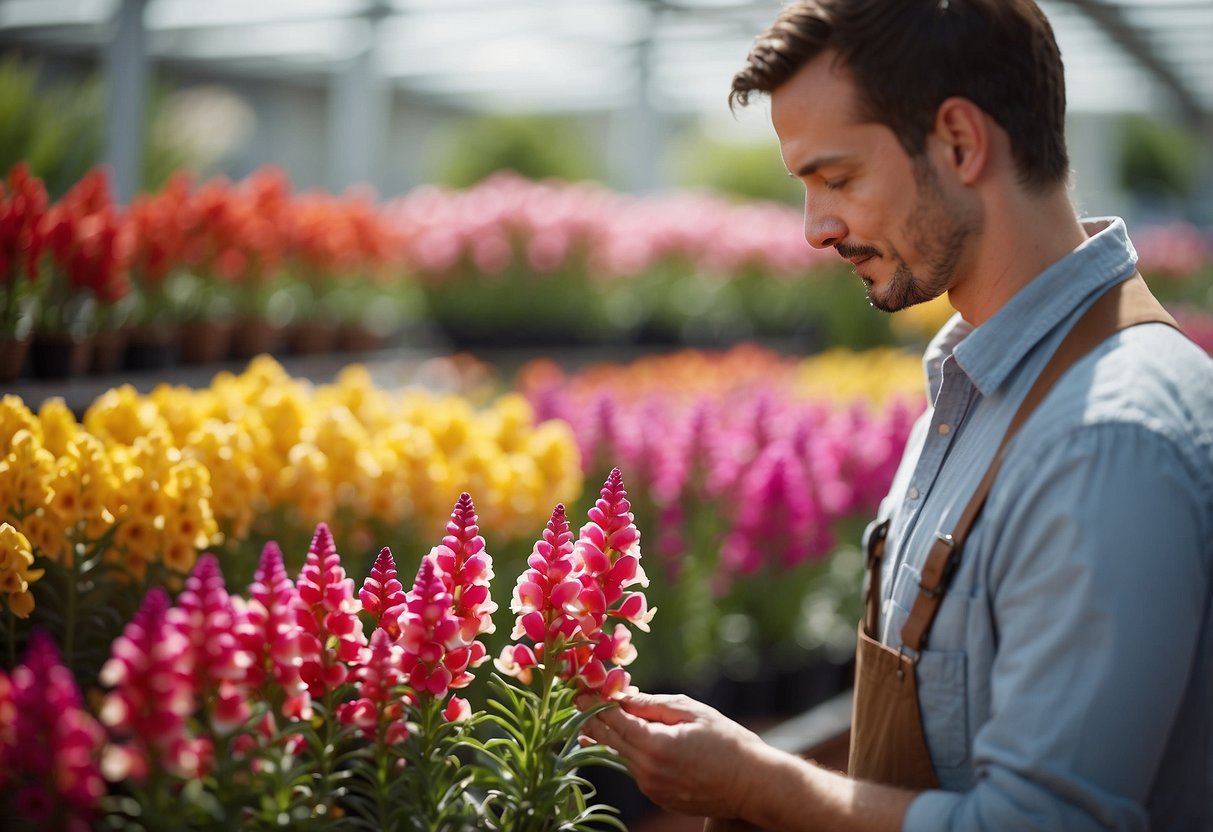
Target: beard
pixel 938 230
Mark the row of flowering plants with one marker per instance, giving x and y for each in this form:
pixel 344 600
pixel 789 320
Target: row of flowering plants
pixel 756 473
pixel 195 270
pixel 306 704
pixel 180 268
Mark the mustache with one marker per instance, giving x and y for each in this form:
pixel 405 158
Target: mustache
pixel 851 250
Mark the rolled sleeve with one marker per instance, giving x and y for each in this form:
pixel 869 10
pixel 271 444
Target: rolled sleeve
pixel 1098 583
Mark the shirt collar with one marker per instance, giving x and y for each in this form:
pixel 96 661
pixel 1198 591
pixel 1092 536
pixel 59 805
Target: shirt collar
pixel 988 353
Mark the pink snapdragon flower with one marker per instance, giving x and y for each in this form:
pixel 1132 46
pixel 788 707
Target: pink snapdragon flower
pixel 466 570
pixel 379 704
pixel 435 656
pixel 151 698
pixel 382 593
pixel 570 588
pixel 49 744
pixel 214 628
pixel 273 635
pixel 547 585
pixel 331 612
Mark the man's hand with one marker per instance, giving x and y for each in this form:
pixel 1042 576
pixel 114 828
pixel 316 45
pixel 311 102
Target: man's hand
pixel 686 756
pixel 690 758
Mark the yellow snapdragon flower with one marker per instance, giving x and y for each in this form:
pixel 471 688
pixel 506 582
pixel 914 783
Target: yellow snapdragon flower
pixel 16 570
pixel 15 416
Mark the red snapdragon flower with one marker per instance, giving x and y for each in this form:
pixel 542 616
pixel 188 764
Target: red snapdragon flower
pixel 22 206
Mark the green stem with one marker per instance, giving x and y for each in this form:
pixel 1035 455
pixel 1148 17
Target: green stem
pixel 382 770
pixel 535 755
pixel 12 636
pixel 324 755
pixel 428 746
pixel 69 617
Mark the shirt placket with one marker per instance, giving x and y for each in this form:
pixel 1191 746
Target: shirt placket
pixel 956 394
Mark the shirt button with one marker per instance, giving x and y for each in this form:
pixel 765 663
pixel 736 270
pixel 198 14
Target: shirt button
pixel 945 429
pixel 913 493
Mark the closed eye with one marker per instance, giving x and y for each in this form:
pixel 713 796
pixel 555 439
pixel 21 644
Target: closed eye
pixel 835 184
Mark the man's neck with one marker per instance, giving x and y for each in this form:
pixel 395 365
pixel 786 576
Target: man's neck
pixel 1022 237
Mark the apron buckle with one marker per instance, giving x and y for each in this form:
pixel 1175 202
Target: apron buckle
pixel 949 566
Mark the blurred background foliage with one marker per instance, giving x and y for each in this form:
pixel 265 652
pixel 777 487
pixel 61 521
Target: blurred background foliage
pixel 59 128
pixel 472 148
pixel 1158 159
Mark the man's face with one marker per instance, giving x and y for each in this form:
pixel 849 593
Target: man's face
pixel 890 215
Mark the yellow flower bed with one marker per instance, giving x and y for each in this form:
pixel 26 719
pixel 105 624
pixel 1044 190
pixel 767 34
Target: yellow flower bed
pixel 275 443
pixel 71 494
pixel 158 478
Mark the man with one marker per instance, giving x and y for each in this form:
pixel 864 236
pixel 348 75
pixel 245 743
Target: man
pixel 1062 668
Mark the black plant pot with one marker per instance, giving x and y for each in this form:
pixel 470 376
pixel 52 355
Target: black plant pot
pixel 151 348
pixel 60 356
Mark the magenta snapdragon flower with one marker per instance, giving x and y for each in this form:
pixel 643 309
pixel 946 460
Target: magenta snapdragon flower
pixel 273 634
pixel 50 746
pixel 150 675
pixel 378 704
pixel 779 523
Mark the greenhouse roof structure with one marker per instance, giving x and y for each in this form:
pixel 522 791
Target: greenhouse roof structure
pixel 639 62
pixel 569 55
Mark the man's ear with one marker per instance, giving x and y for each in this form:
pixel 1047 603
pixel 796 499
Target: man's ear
pixel 962 134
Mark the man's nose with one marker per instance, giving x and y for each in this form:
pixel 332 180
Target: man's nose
pixel 822 229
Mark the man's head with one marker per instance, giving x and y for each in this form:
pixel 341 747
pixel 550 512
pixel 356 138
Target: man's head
pixel 916 127
pixel 907 57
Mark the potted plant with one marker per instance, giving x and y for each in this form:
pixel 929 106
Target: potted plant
pixel 155 230
pixel 85 270
pixel 23 204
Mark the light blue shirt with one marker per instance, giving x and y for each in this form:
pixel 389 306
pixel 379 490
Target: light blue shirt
pixel 1067 682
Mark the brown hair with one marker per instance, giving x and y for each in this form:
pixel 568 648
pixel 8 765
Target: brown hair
pixel 907 56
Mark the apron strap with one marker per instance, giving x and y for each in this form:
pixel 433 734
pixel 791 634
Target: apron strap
pixel 873 547
pixel 1125 305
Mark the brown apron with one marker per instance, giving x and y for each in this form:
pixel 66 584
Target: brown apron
pixel 887 741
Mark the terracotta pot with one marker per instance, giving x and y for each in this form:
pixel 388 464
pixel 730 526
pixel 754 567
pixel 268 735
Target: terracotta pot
pixel 313 337
pixel 354 338
pixel 151 347
pixel 58 355
pixel 253 337
pixel 204 342
pixel 12 357
pixel 109 348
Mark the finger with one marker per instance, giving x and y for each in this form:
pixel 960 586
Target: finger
pixel 600 731
pixel 670 710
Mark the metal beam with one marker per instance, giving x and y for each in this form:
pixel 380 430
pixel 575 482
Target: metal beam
pixel 126 88
pixel 1112 21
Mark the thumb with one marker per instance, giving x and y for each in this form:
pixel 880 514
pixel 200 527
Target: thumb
pixel 670 710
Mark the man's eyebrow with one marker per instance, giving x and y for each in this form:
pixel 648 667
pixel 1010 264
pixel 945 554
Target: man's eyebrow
pixel 810 167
